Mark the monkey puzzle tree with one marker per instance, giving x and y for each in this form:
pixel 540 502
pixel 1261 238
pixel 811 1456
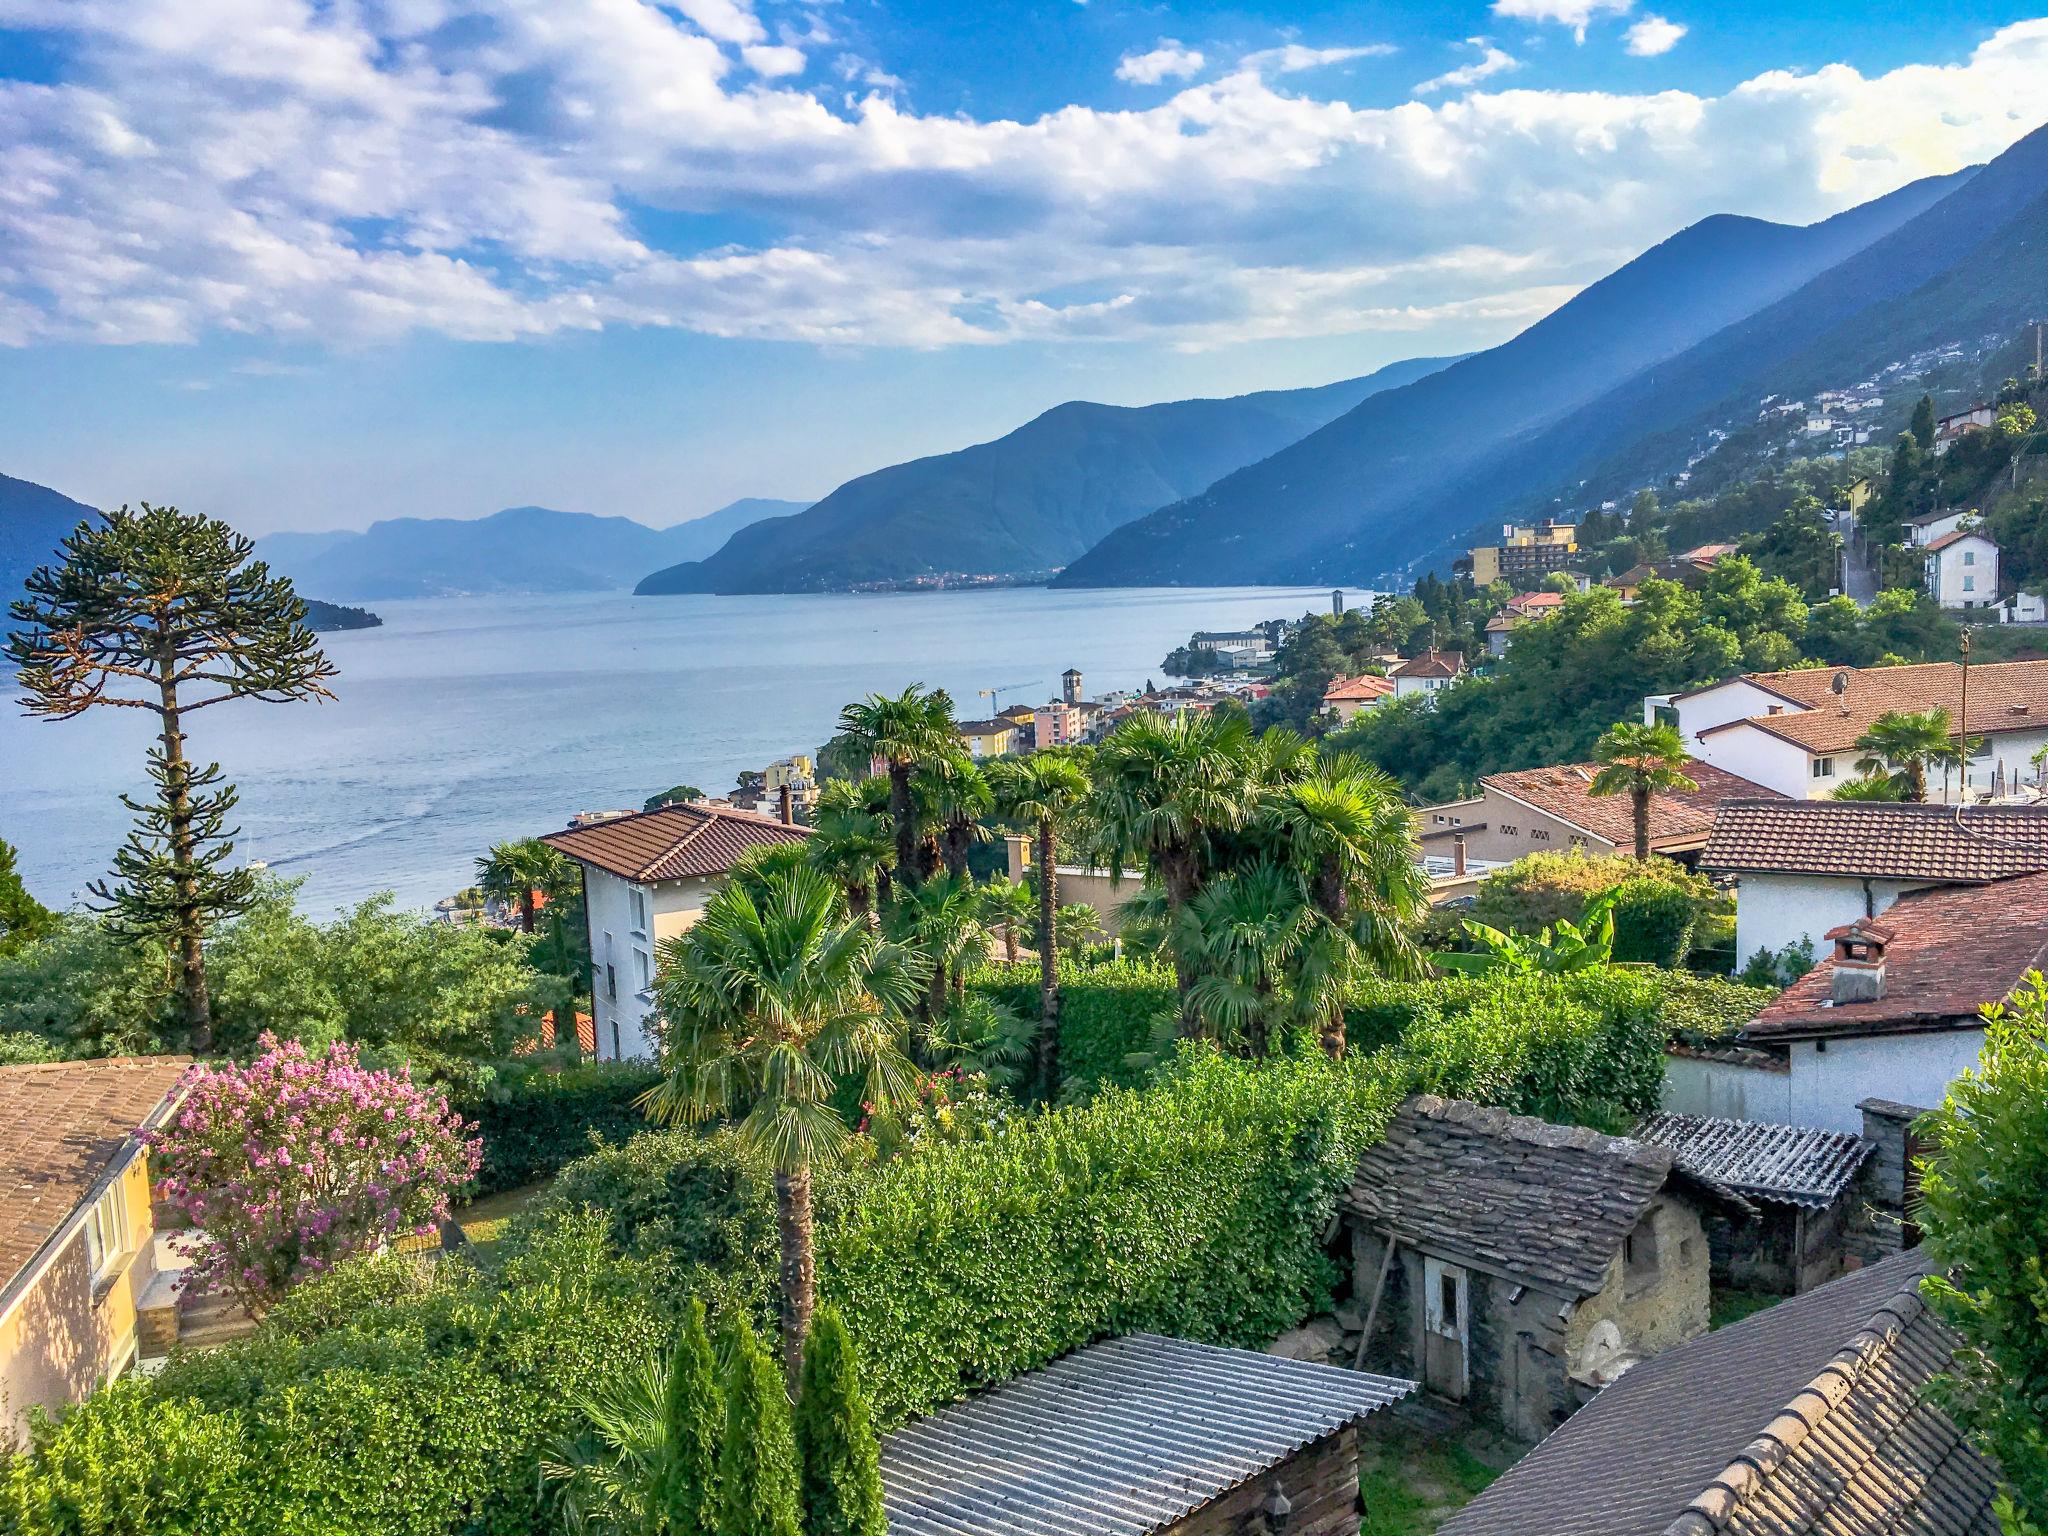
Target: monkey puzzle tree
pixel 166 611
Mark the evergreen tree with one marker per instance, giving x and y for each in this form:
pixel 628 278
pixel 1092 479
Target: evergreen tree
pixel 23 919
pixel 167 612
pixel 835 1438
pixel 757 1476
pixel 1923 423
pixel 685 1496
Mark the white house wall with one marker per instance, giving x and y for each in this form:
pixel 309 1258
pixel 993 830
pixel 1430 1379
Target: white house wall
pixel 629 947
pixel 1764 759
pixel 1693 1086
pixel 1736 699
pixel 1827 1084
pixel 1772 911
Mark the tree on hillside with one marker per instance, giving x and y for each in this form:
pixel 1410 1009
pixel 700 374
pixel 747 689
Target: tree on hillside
pixel 1639 761
pixel 680 794
pixel 23 919
pixel 526 873
pixel 1045 792
pixel 771 999
pixel 1907 744
pixel 837 1453
pixel 167 612
pixel 1923 423
pixel 900 732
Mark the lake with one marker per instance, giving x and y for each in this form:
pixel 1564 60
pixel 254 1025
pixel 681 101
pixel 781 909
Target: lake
pixel 466 721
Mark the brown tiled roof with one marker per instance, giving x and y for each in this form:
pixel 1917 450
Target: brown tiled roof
pixel 1431 664
pixel 2004 696
pixel 1810 1418
pixel 1367 686
pixel 1952 949
pixel 1516 1196
pixel 62 1127
pixel 1957 845
pixel 1675 816
pixel 1956 535
pixel 672 842
pixel 1790 1164
pixel 986 727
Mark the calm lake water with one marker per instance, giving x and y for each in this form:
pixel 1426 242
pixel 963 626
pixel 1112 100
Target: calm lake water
pixel 466 721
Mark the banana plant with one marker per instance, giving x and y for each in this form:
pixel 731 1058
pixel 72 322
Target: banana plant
pixel 1585 945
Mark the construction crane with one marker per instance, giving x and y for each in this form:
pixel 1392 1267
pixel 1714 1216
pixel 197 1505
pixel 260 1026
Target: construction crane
pixel 992 694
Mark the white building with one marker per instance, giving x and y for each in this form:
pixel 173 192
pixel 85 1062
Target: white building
pixel 1804 867
pixel 1431 672
pixel 1796 732
pixel 1962 570
pixel 647 878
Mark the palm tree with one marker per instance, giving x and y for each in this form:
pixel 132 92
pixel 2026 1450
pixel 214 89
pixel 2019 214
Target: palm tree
pixel 770 1000
pixel 850 839
pixel 1044 791
pixel 953 796
pixel 1163 791
pixel 1077 925
pixel 1905 743
pixel 1009 906
pixel 1638 760
pixel 1248 932
pixel 942 921
pixel 516 871
pixel 1871 786
pixel 901 732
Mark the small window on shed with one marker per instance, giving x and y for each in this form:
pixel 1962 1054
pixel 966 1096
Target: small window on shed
pixel 1639 1253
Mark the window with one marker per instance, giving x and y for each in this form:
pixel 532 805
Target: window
pixel 1639 1254
pixel 1508 831
pixel 106 1232
pixel 1969 557
pixel 611 976
pixel 1969 583
pixel 641 977
pixel 639 897
pixel 1823 767
pixel 1443 1298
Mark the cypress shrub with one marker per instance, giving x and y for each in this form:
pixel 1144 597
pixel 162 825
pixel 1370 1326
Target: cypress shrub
pixel 757 1478
pixel 534 1121
pixel 692 1419
pixel 835 1437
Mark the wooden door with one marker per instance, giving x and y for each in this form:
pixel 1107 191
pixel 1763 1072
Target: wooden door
pixel 1446 1329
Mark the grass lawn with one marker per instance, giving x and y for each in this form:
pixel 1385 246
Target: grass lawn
pixel 483 1221
pixel 1731 1304
pixel 1413 1482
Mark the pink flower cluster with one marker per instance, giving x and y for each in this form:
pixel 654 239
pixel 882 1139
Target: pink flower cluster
pixel 293 1162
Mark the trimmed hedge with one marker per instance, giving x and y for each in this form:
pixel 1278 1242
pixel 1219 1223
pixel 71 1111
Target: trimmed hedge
pixel 1106 1013
pixel 536 1121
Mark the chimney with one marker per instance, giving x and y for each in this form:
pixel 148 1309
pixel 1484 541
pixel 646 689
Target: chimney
pixel 1859 961
pixel 788 806
pixel 1458 854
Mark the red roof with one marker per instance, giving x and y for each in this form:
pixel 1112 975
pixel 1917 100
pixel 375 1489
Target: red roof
pixel 672 842
pixel 1368 686
pixel 1951 950
pixel 1953 845
pixel 1956 536
pixel 1431 664
pixel 2004 696
pixel 1675 817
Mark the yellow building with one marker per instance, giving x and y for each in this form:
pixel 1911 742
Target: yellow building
pixel 1526 553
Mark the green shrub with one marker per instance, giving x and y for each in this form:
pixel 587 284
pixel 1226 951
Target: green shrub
pixel 535 1121
pixel 1654 922
pixel 1541 889
pixel 757 1476
pixel 837 1451
pixel 132 1461
pixel 1107 1014
pixel 1708 1010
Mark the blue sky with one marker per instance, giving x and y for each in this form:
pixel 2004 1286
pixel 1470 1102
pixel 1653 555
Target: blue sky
pixel 308 264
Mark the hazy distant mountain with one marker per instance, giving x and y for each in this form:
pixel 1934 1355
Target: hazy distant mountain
pixel 1391 478
pixel 1025 503
pixel 34 520
pixel 522 549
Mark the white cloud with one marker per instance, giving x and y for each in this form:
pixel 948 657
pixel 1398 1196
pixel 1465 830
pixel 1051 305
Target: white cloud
pixel 1654 35
pixel 339 175
pixel 773 60
pixel 1169 61
pixel 1292 58
pixel 1576 14
pixel 1491 61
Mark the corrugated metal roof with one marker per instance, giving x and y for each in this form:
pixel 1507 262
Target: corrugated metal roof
pixel 1119 1439
pixel 1792 1164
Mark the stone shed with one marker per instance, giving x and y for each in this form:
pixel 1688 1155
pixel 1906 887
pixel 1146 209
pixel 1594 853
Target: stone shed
pixel 1137 1436
pixel 1518 1266
pixel 1792 1193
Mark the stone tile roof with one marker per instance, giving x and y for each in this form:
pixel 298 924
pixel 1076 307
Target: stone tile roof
pixel 1789 1164
pixel 1811 1418
pixel 2004 696
pixel 1365 686
pixel 1122 1438
pixel 1515 1196
pixel 1951 950
pixel 63 1125
pixel 1957 845
pixel 672 842
pixel 1675 816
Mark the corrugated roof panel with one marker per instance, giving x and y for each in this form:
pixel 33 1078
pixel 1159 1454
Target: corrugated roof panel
pixel 1794 1164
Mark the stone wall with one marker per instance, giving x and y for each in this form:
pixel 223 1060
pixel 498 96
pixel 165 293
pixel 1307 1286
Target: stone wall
pixel 1319 1483
pixel 1876 1226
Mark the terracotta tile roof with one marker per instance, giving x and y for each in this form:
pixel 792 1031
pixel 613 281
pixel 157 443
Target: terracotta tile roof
pixel 1675 816
pixel 1951 949
pixel 1810 1418
pixel 1685 572
pixel 986 727
pixel 63 1125
pixel 2004 696
pixel 1956 536
pixel 1367 686
pixel 672 842
pixel 1431 664
pixel 1788 1164
pixel 1519 1197
pixel 1707 554
pixel 1956 845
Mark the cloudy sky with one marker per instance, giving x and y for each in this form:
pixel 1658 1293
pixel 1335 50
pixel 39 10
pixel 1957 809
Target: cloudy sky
pixel 305 263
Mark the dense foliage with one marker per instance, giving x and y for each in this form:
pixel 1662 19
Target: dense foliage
pixel 533 1120
pixel 1657 907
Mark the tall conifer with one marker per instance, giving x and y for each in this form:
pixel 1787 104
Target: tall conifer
pixel 757 1476
pixel 835 1437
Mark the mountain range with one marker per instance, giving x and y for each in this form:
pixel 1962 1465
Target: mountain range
pixel 521 549
pixel 1401 477
pixel 34 520
pixel 1027 502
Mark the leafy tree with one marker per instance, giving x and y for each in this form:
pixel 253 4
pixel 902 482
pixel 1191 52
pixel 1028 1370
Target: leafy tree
pixel 770 1000
pixel 164 612
pixel 1905 744
pixel 1565 946
pixel 1639 761
pixel 1045 792
pixel 1984 1213
pixel 680 794
pixel 23 919
pixel 835 1438
pixel 293 1162
pixel 1922 426
pixel 758 1490
pixel 518 872
pixel 901 731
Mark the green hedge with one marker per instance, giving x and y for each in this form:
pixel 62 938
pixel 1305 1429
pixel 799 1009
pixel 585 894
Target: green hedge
pixel 1107 1013
pixel 535 1121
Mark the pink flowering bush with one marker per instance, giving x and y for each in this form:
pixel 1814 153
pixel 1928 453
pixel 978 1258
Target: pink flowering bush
pixel 291 1163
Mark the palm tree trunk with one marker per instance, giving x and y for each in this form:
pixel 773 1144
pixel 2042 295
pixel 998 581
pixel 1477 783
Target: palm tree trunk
pixel 901 814
pixel 526 909
pixel 1639 802
pixel 1916 780
pixel 1010 940
pixel 1048 965
pixel 799 1269
pixel 959 837
pixel 1331 901
pixel 1177 875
